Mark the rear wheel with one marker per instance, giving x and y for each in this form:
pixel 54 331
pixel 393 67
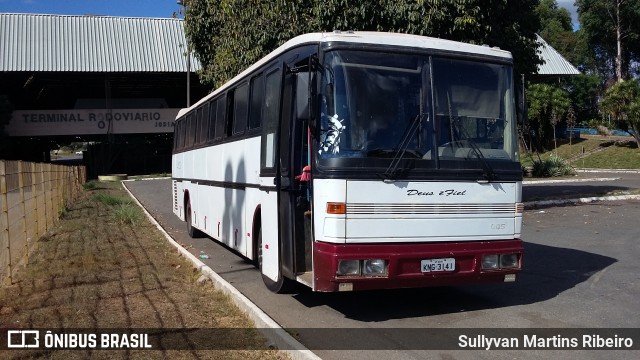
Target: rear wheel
pixel 282 284
pixel 192 231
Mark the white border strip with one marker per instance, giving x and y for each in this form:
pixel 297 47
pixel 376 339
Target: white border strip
pixel 280 338
pixel 611 171
pixel 558 181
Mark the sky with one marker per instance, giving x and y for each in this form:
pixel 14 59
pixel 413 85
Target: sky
pixel 135 8
pixel 569 5
pixel 132 8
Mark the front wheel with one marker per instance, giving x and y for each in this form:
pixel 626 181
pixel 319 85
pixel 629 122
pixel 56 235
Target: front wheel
pixel 282 285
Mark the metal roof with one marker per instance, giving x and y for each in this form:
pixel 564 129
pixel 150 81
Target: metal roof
pixel 74 43
pixel 554 63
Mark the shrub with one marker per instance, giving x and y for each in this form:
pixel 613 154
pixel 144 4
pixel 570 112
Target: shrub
pixel 594 123
pixel 553 166
pixel 603 130
pixel 90 185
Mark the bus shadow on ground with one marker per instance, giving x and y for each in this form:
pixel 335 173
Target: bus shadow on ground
pixel 540 192
pixel 547 272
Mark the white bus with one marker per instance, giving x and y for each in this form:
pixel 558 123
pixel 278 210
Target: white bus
pixel 350 161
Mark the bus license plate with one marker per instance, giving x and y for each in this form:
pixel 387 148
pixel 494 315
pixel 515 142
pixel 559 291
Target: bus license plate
pixel 438 265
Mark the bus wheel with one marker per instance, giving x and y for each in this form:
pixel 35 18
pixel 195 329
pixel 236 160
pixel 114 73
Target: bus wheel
pixel 282 285
pixel 192 231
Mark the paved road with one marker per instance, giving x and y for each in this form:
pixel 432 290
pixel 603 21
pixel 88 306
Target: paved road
pixel 581 270
pixel 624 182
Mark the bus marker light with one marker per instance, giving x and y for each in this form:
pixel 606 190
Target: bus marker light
pixel 510 278
pixel 489 262
pixel 336 208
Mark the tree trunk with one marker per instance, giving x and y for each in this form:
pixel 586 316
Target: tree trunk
pixel 619 41
pixel 636 135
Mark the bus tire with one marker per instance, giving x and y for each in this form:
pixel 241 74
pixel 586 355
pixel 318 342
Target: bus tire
pixel 281 286
pixel 191 230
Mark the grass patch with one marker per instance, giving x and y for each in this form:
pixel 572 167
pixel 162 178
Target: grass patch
pixel 564 150
pixel 614 157
pixel 127 214
pixel 108 199
pixel 90 185
pixel 94 272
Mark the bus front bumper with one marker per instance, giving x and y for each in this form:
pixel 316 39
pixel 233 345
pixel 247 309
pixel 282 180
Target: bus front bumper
pixel 411 265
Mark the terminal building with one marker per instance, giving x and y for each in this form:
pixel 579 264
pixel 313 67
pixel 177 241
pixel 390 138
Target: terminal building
pixel 113 82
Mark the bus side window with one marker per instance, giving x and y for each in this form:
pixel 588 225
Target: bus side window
pixel 183 137
pixel 191 127
pixel 257 95
pixel 204 123
pixel 228 127
pixel 271 112
pixel 241 109
pixel 220 117
pixel 198 121
pixel 212 120
pixel 176 136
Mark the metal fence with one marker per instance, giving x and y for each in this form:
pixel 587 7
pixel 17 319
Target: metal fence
pixel 32 197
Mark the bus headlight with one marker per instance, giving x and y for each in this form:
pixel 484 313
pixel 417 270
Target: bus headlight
pixel 349 267
pixel 489 262
pixel 374 267
pixel 508 261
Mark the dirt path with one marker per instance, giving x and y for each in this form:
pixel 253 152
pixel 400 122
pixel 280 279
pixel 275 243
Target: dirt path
pixel 106 267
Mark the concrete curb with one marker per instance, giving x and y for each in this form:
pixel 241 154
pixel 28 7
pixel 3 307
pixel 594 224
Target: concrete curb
pixel 559 181
pixel 279 337
pixel 145 179
pixel 611 171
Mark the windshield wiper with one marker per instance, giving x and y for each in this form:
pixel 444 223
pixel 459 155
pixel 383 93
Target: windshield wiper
pixel 488 172
pixel 392 171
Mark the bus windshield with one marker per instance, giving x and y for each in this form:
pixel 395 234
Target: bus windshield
pixel 377 105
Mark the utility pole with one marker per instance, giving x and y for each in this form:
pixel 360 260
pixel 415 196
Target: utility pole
pixel 184 3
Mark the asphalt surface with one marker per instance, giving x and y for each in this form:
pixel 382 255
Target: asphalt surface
pixel 624 182
pixel 580 271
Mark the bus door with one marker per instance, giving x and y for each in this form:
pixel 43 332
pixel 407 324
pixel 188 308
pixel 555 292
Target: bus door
pixel 294 195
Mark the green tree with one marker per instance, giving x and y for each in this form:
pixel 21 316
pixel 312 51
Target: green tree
pixel 611 30
pixel 584 91
pixel 622 102
pixel 548 106
pixel 228 35
pixel 556 29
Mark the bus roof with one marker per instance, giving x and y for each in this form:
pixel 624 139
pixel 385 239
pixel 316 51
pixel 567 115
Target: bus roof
pixel 363 37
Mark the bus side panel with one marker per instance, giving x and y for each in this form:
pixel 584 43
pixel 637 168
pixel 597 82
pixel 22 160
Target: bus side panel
pixel 235 179
pixel 270 249
pixel 177 186
pixel 329 227
pixel 253 195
